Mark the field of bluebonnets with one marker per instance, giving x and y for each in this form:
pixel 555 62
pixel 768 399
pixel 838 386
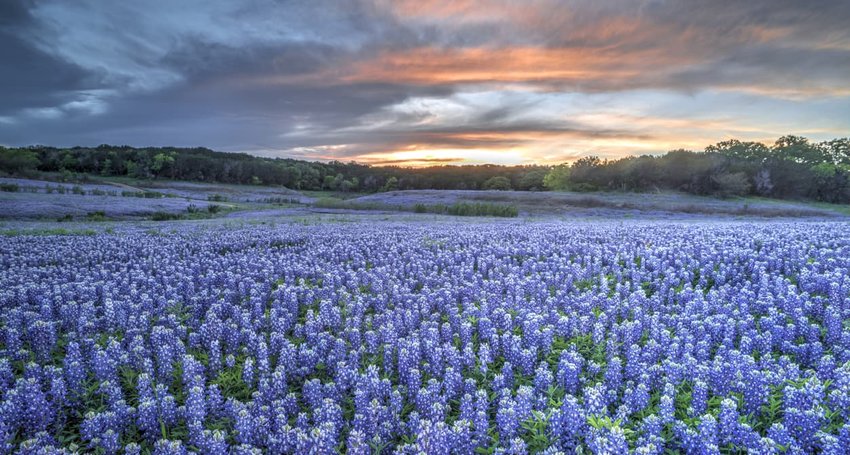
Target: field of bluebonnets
pixel 440 337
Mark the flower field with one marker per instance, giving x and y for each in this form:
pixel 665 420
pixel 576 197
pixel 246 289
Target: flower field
pixel 388 337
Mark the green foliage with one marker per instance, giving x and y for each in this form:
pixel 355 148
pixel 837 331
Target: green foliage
pixel 482 209
pixel 390 185
pixel 499 183
pixel 532 180
pixel 51 231
pixel 793 167
pixel 732 184
pixel 9 187
pixel 537 435
pixel 98 215
pixel 165 216
pixel 15 161
pixel 457 209
pixel 558 178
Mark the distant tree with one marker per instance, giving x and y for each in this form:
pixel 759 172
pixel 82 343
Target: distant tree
pixel 349 185
pixel 15 161
pixel 588 173
pixel 391 184
pixel 558 178
pixel 732 184
pixel 497 183
pixel 799 150
pixel 838 150
pixel 532 180
pixel 763 183
pixel 69 162
pixel 831 183
pixel 793 167
pixel 638 173
pixel 162 163
pixel 751 151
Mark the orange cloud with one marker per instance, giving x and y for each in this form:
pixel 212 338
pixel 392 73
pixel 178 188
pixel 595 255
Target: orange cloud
pixel 511 65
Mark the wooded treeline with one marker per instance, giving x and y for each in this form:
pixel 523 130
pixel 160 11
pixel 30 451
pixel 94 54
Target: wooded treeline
pixel 793 167
pixel 205 165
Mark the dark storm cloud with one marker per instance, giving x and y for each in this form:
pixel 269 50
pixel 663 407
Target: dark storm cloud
pixel 348 79
pixel 30 77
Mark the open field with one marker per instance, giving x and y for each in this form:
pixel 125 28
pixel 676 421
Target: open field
pixel 121 198
pixel 416 333
pixel 609 204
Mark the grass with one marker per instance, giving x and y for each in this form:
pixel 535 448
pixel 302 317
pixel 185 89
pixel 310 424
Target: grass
pixel 46 231
pixel 332 194
pixel 336 203
pixel 193 212
pixel 457 209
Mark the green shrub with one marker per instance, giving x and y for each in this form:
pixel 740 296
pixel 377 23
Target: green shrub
pixel 331 203
pixel 9 187
pixel 165 216
pixel 99 215
pixel 482 209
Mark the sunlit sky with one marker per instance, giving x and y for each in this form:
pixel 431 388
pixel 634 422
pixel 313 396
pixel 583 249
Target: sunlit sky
pixel 419 82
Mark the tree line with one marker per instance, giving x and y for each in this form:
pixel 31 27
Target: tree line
pixel 205 165
pixel 793 167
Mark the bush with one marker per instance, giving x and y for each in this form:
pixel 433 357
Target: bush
pixel 497 183
pixel 99 215
pixel 331 203
pixel 213 208
pixel 165 216
pixel 558 178
pixel 583 187
pixel 216 198
pixel 16 161
pixel 482 209
pixel 732 184
pixel 9 187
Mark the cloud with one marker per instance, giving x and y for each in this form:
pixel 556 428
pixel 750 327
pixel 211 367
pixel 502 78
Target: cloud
pixel 423 80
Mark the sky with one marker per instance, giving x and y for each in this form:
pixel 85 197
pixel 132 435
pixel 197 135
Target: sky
pixel 421 82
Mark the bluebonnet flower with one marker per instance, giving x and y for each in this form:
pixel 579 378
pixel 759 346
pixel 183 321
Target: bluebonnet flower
pixel 356 443
pixel 214 442
pixel 434 438
pixel 507 418
pixel 608 441
pixel 456 344
pixel 166 447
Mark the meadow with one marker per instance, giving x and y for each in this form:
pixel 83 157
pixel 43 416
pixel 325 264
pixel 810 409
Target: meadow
pixel 506 336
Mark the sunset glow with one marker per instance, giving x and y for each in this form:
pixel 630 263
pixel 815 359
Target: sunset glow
pixel 427 82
